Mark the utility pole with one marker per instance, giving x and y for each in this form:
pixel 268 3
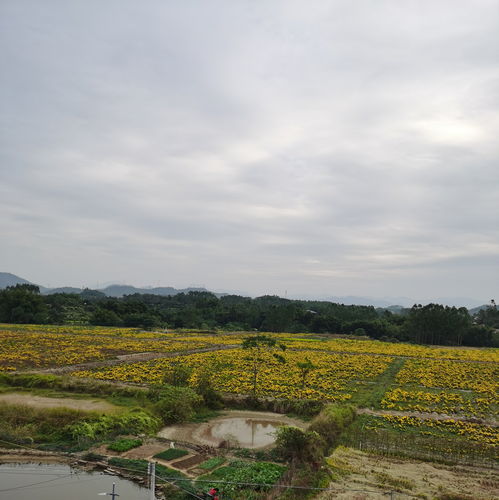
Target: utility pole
pixel 113 495
pixel 151 469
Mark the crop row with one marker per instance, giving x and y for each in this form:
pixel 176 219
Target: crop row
pixel 22 349
pixel 332 376
pixel 484 434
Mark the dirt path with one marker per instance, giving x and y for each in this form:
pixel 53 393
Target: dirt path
pixel 426 416
pixel 15 398
pixel 126 359
pixel 9 455
pixel 403 356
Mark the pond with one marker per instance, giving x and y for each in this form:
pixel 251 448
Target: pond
pixel 246 429
pixel 245 432
pixel 54 481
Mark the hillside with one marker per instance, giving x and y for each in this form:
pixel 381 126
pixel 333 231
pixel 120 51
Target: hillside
pixel 9 279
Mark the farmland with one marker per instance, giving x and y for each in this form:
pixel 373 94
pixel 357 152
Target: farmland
pixel 425 402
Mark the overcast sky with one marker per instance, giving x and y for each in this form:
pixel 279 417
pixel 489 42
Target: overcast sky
pixel 314 147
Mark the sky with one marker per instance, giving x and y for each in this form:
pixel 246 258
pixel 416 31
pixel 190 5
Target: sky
pixel 318 148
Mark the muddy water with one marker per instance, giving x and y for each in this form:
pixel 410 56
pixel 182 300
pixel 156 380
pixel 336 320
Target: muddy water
pixel 248 429
pixel 55 481
pixel 246 432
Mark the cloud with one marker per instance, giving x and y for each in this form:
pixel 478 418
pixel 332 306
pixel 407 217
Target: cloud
pixel 331 147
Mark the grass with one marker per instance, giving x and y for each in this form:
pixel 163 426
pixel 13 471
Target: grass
pixel 171 454
pixel 372 395
pixel 23 424
pixel 211 463
pixel 204 415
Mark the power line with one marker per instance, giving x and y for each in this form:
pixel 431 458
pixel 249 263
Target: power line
pixel 34 484
pixel 171 479
pixel 31 473
pixel 179 487
pixel 59 485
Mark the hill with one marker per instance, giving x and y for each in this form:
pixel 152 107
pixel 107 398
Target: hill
pixel 121 290
pixel 9 279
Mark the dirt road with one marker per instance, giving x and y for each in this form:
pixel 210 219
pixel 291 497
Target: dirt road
pixel 15 398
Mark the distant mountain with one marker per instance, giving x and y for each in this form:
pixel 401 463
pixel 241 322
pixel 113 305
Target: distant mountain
pixel 63 289
pixel 393 309
pixel 361 301
pixel 394 304
pixel 474 310
pixel 8 279
pixel 121 290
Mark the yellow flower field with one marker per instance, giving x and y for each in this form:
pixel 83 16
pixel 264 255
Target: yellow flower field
pixel 483 434
pixel 334 378
pixel 32 349
pixel 398 349
pixel 443 386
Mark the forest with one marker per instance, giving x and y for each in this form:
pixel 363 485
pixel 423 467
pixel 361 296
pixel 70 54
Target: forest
pixel 432 324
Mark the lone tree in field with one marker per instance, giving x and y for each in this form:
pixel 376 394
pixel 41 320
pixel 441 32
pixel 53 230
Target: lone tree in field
pixel 261 349
pixel 305 368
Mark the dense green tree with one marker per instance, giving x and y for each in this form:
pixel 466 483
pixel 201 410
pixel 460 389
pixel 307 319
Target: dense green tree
pixel 105 317
pixel 438 324
pixel 22 304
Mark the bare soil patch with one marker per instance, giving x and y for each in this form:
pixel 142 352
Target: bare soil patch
pixel 47 402
pixel 189 462
pixel 363 476
pixel 29 456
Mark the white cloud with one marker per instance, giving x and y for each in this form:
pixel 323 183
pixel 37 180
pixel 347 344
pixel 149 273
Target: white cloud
pixel 329 147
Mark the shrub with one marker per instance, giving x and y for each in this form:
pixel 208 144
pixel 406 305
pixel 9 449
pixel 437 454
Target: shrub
pixel 176 404
pixel 204 387
pixel 297 445
pixel 331 422
pixel 135 421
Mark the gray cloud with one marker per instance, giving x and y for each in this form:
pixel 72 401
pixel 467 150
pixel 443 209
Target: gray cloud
pixel 323 148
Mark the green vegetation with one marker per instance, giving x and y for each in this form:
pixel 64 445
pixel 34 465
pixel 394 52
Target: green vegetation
pixel 302 478
pixel 211 463
pixel 372 395
pixel 21 424
pixel 427 442
pixel 296 445
pixel 175 404
pixel 259 348
pixel 171 454
pixel 138 395
pixel 124 444
pixel 237 471
pixel 432 323
pixel 331 422
pixel 135 421
pixel 143 411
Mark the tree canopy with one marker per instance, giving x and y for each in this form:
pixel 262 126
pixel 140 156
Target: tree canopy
pixel 429 324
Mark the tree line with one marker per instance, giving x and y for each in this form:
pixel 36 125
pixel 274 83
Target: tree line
pixel 429 324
